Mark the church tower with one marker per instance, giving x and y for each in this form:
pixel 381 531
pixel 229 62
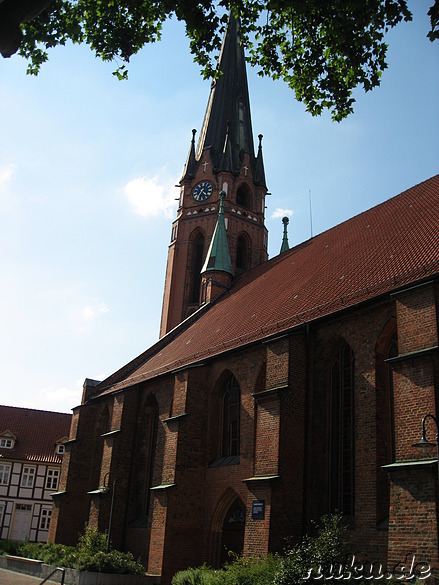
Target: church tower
pixel 223 162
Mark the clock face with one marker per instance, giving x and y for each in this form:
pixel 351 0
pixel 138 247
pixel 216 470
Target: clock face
pixel 202 191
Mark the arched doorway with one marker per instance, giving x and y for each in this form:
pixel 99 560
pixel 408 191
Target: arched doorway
pixel 232 536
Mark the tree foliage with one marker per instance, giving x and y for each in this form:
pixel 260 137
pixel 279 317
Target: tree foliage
pixel 322 49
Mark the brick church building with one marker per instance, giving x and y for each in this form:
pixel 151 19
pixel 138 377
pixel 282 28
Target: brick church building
pixel 279 389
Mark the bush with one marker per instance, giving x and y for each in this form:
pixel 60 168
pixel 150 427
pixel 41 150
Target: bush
pixel 316 556
pixel 200 576
pixel 252 571
pixel 89 555
pixel 8 547
pixel 242 571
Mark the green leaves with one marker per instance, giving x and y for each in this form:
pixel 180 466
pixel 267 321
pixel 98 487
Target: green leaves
pixel 322 49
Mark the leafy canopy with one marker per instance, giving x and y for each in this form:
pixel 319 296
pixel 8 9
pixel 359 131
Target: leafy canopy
pixel 322 49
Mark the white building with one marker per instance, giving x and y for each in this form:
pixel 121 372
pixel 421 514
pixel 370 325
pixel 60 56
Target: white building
pixel 31 450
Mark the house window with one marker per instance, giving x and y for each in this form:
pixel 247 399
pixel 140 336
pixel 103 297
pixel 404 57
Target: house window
pixel 28 477
pixel 52 479
pixel 342 432
pixel 45 519
pixel 5 473
pixel 6 443
pixel 60 449
pixel 231 418
pixel 2 513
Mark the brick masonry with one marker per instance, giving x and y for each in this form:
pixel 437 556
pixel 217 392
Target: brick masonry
pixel 284 456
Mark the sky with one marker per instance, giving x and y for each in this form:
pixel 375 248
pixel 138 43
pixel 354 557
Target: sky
pixel 88 173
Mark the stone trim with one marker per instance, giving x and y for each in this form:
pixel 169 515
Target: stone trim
pixel 407 464
pixel 413 354
pixel 110 433
pixel 174 417
pixel 261 478
pixel 265 393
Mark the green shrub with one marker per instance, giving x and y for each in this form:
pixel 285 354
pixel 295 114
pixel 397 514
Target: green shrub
pixel 316 556
pixel 241 571
pixel 251 571
pixel 200 576
pixel 51 553
pixel 93 541
pixel 9 547
pixel 89 555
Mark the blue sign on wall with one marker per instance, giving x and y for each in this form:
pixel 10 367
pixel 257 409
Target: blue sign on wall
pixel 258 509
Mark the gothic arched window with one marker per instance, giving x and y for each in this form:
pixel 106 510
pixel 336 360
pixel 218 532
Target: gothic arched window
pixel 243 196
pixel 242 252
pixel 342 463
pixel 231 418
pixel 196 264
pixel 387 349
pixel 143 465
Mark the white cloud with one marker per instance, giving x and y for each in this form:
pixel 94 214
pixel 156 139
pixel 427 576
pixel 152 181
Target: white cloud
pixel 92 310
pixel 151 197
pixel 52 398
pixel 279 213
pixel 6 172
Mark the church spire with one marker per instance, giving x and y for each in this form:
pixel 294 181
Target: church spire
pixel 218 255
pixel 227 128
pixel 217 272
pixel 204 257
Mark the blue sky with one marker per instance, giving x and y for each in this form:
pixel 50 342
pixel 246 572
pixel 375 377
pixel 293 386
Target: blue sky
pixel 88 168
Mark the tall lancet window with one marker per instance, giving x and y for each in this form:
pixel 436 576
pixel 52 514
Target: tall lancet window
pixel 196 264
pixel 231 418
pixel 342 461
pixel 242 252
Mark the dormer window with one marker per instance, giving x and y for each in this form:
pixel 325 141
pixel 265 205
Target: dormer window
pixel 7 440
pixel 6 443
pixel 60 447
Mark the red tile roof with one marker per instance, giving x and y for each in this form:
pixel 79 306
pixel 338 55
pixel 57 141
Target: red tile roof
pixel 37 432
pixel 390 246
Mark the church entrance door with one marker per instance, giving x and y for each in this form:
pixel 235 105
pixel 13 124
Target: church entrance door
pixel 232 538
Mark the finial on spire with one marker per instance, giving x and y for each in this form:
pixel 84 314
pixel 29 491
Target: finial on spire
pixel 285 245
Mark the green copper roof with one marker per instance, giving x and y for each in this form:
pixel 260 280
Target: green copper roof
pixel 285 246
pixel 218 256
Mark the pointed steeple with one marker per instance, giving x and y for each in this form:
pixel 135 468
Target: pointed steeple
pixel 190 166
pixel 227 128
pixel 218 255
pixel 285 246
pixel 259 176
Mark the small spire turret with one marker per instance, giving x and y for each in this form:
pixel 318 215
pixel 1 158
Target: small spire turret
pixel 190 166
pixel 285 246
pixel 218 255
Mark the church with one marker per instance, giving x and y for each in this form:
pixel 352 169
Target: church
pixel 280 390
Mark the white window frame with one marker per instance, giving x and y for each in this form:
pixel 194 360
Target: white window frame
pixel 60 449
pixel 45 518
pixel 6 443
pixel 5 473
pixel 52 478
pixel 28 476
